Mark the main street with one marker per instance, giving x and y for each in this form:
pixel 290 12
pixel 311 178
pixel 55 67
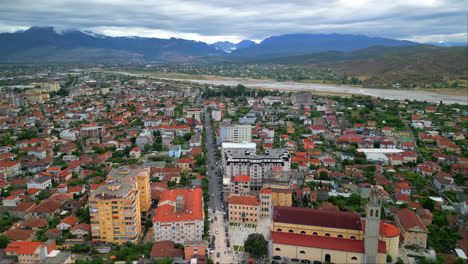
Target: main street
pixel 218 219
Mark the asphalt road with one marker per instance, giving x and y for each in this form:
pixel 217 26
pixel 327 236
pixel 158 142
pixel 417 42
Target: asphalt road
pixel 218 222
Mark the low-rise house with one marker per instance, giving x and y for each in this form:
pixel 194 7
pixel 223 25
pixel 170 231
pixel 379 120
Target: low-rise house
pixel 443 181
pixel 10 168
pixel 34 224
pixel 135 153
pixel 175 151
pixel 67 222
pixel 62 176
pixel 20 234
pixel 11 201
pixel 165 249
pixel 81 230
pixel 41 183
pixel 185 164
pixel 20 210
pixel 27 252
pixel 199 247
pixel 47 209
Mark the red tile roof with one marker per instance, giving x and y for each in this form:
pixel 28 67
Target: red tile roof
pixel 47 206
pixel 24 206
pixel 192 209
pixel 23 247
pixel 244 200
pixel 242 178
pixel 385 229
pixel 316 217
pixel 69 220
pixel 409 219
pixel 323 242
pixel 19 234
pixel 35 223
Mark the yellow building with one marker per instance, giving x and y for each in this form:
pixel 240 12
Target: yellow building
pixel 411 227
pixel 334 236
pixel 115 213
pixel 140 177
pixel 36 95
pixel 265 202
pixel 281 197
pixel 244 209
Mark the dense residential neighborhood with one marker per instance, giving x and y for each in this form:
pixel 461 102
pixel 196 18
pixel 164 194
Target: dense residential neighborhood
pixel 101 167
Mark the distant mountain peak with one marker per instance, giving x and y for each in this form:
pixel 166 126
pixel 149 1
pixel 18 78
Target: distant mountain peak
pixel 229 47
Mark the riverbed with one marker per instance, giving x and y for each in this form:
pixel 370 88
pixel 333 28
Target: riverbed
pixel 446 97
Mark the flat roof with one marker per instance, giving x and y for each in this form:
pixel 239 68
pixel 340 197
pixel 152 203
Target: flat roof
pixel 231 145
pixel 375 150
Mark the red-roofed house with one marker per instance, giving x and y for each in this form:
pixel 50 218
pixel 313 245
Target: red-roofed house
pixel 27 252
pixel 413 231
pixel 81 230
pixel 67 222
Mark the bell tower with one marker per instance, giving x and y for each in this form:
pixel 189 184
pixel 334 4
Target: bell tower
pixel 371 237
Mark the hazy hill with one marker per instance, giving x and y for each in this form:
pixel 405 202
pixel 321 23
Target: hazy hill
pixel 296 44
pixel 385 65
pixel 43 44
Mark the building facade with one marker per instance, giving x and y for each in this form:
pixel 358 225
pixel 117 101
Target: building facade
pixel 179 216
pixel 239 162
pixel 334 236
pixel 236 133
pixel 411 227
pixel 115 212
pixel 244 209
pixel 140 177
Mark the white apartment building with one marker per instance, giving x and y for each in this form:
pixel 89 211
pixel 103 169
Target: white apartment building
pixel 236 133
pixel 216 115
pixel 243 162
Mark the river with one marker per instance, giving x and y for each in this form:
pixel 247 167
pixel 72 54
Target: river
pixel 394 94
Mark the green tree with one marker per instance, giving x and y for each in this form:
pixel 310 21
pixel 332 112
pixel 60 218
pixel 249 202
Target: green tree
pixel 399 261
pixel 148 223
pixel 4 241
pixel 324 176
pixel 256 244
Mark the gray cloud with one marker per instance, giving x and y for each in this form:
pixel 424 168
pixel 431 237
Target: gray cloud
pixel 212 20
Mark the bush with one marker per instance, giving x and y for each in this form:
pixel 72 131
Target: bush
pixel 389 258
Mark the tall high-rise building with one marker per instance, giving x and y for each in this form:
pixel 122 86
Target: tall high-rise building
pixel 115 212
pixel 236 133
pixel 140 177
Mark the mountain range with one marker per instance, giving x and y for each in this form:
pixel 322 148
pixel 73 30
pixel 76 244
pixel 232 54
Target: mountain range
pixel 44 45
pixel 228 47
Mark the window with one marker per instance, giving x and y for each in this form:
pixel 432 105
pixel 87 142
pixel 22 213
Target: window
pixel 315 233
pixel 302 252
pixel 291 231
pixel 340 236
pixel 353 258
pixel 371 212
pixel 279 230
pixel 376 213
pixel 303 232
pixel 327 234
pixel 277 249
pixel 352 237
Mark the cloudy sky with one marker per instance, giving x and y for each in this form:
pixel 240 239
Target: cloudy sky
pixel 219 20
